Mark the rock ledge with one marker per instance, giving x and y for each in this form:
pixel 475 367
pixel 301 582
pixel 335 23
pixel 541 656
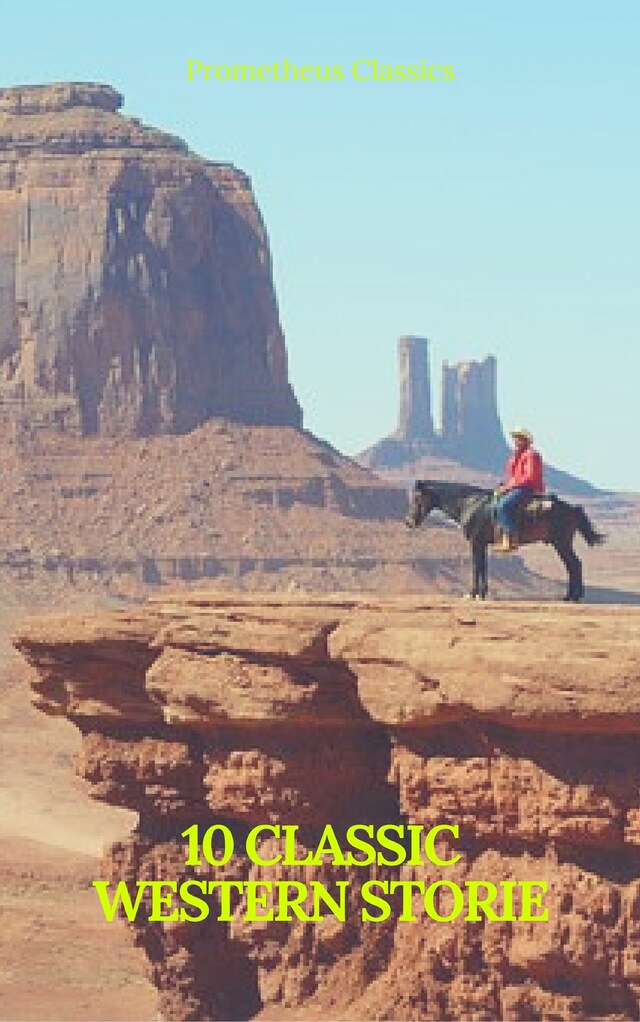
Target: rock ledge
pixel 518 723
pixel 32 99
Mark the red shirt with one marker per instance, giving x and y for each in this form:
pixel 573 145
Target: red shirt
pixel 524 468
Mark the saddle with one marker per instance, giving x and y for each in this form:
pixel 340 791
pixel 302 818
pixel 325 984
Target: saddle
pixel 528 515
pixel 537 507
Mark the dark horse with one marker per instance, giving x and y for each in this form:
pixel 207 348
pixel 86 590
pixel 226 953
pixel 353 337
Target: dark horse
pixel 553 521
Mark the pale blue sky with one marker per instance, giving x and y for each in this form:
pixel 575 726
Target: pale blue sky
pixel 496 214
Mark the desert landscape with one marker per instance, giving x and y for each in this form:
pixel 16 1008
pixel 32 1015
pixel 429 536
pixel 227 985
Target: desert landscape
pixel 219 612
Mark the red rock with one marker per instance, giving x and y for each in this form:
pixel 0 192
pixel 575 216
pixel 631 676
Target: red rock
pixel 162 312
pixel 505 721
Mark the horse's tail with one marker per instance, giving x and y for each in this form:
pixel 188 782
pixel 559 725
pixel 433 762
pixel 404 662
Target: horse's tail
pixel 585 527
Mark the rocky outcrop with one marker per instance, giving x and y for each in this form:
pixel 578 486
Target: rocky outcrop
pixel 470 435
pixel 518 723
pixel 136 294
pixel 471 427
pixel 44 99
pixel 470 431
pixel 414 418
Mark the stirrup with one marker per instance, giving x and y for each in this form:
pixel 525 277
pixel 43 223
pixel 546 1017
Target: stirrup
pixel 506 543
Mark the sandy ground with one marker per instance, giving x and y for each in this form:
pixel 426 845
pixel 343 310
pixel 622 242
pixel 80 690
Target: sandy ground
pixel 59 958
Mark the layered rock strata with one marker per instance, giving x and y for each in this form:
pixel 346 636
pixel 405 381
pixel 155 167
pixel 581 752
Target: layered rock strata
pixel 518 723
pixel 136 293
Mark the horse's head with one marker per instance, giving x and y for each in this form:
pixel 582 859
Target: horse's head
pixel 423 500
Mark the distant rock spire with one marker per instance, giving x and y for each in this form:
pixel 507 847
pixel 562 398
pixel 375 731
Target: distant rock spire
pixel 471 432
pixel 414 419
pixel 471 427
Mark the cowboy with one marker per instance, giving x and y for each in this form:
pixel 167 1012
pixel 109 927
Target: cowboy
pixel 524 478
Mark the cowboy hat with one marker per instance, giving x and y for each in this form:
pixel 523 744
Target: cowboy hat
pixel 524 433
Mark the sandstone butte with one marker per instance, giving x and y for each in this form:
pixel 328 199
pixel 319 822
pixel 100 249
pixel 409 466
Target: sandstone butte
pixel 517 722
pixel 136 294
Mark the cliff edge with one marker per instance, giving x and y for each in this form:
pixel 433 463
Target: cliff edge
pixel 519 723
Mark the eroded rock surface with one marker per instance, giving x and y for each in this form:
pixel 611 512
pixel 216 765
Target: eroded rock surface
pixel 136 295
pixel 517 722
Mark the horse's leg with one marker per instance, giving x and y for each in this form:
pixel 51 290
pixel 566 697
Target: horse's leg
pixel 475 572
pixel 573 564
pixel 484 571
pixel 479 573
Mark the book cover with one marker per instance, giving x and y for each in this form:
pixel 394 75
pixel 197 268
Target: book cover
pixel 319 638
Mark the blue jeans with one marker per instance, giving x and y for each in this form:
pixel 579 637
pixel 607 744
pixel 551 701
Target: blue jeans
pixel 507 508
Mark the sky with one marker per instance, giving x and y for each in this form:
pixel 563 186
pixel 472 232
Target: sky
pixel 498 213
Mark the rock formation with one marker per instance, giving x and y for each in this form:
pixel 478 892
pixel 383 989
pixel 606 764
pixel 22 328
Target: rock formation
pixel 470 431
pixel 414 419
pixel 136 294
pixel 519 724
pixel 471 427
pixel 470 434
